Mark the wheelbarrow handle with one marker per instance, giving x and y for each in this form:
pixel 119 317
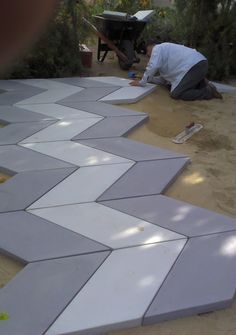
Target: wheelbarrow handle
pixel 111 45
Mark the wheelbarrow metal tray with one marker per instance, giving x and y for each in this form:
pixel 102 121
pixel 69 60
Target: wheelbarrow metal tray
pixel 113 28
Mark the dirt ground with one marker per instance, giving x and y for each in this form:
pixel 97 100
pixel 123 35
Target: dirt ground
pixel 8 269
pixel 209 181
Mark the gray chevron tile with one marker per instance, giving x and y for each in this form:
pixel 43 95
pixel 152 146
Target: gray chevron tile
pixel 83 82
pixel 13 114
pixel 90 94
pixel 21 190
pixel 18 159
pixel 101 108
pixel 131 149
pixel 39 239
pixel 14 85
pixel 112 126
pixel 14 133
pixel 43 290
pixel 202 279
pixel 145 178
pixel 175 215
pixel 11 97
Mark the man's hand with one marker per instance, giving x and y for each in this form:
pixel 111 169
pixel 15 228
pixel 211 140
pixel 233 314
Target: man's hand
pixel 135 83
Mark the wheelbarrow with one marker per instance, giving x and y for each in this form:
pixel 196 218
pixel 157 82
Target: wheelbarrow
pixel 119 32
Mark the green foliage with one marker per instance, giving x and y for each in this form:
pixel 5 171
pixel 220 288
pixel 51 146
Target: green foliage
pixel 97 7
pixel 56 54
pixel 161 25
pixel 127 6
pixel 209 26
pixel 4 316
pixel 132 6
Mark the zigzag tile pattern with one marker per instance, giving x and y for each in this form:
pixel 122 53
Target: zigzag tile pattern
pixel 84 210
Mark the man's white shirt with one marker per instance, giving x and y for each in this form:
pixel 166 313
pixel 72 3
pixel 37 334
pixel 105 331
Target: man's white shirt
pixel 172 61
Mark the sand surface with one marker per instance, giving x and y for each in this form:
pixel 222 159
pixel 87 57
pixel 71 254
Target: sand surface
pixel 4 177
pixel 209 181
pixel 8 269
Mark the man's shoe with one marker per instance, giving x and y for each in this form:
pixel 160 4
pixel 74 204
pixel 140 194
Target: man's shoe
pixel 214 92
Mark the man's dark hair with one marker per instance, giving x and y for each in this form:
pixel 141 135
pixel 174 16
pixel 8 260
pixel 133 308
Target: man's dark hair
pixel 152 41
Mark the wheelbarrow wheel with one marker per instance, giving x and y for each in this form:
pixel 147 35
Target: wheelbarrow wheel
pixel 126 46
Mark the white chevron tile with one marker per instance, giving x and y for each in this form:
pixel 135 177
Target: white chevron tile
pixel 62 130
pixel 55 91
pixel 75 153
pixel 46 84
pixel 105 225
pixel 57 111
pixel 129 94
pixel 50 96
pixel 84 185
pixel 120 291
pixel 112 80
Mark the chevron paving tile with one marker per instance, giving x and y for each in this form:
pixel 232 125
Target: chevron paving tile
pixel 84 185
pixel 24 188
pixel 19 159
pixel 46 84
pixel 16 132
pixel 120 291
pixel 16 92
pixel 73 195
pixel 85 82
pixel 175 215
pixel 50 96
pixel 128 95
pixel 106 225
pixel 43 289
pixel 57 111
pixel 145 178
pixel 223 88
pixel 130 149
pixel 39 239
pixel 75 153
pixel 202 285
pixel 62 130
pixel 13 85
pixel 12 114
pixel 101 108
pixel 109 80
pixel 54 91
pixel 90 94
pixel 109 127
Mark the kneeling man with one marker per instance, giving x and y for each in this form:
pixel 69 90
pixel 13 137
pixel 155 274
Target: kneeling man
pixel 181 68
